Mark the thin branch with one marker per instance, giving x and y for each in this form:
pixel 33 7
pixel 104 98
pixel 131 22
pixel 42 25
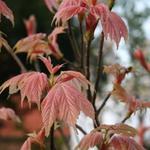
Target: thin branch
pixel 16 58
pixel 81 129
pixel 126 117
pixel 82 48
pixel 70 63
pixel 88 66
pixel 103 104
pixel 73 42
pixel 99 67
pixel 52 144
pixel 66 141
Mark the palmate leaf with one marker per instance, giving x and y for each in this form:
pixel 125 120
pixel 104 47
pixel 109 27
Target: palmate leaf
pixel 64 102
pixel 120 128
pixel 32 85
pixel 5 11
pixel 123 143
pixel 112 25
pixel 90 140
pixel 8 114
pixel 53 44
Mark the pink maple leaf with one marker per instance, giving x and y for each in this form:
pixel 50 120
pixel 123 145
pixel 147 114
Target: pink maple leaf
pixel 39 44
pixel 6 11
pixel 52 40
pixel 123 143
pixel 49 65
pixel 90 140
pixel 8 114
pixel 64 102
pixel 32 85
pixel 112 24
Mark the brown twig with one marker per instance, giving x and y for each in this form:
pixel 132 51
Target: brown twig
pixel 64 138
pixel 73 42
pixel 103 104
pixel 82 48
pixel 126 117
pixel 16 58
pixel 52 144
pixel 88 66
pixel 99 67
pixel 81 129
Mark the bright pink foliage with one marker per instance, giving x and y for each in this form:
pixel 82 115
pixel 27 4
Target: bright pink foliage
pixel 123 143
pixel 49 66
pixel 32 85
pixel 52 42
pixel 90 140
pixel 64 102
pixel 5 11
pixel 112 24
pixel 39 44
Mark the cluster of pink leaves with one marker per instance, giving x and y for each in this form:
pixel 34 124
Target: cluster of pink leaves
pixel 118 137
pixel 38 44
pixel 93 11
pixel 63 100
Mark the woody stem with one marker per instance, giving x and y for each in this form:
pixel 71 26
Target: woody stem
pixel 52 144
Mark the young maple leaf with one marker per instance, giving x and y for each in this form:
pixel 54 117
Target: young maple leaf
pixel 119 128
pixel 138 54
pixel 90 140
pixel 70 75
pixel 36 45
pixel 123 143
pixel 32 85
pixel 5 11
pixel 133 103
pixel 49 66
pixel 64 102
pixel 34 139
pixel 112 24
pixel 8 114
pixel 52 41
pixel 30 25
pixel 100 137
pixel 118 71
